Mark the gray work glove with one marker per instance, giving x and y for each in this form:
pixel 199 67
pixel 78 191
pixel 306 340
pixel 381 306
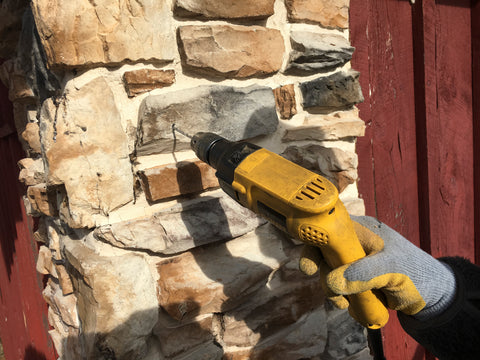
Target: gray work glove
pixel 411 280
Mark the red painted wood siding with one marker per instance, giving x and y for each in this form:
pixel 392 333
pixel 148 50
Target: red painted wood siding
pixel 420 158
pixel 23 312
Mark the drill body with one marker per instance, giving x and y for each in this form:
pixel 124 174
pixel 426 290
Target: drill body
pixel 298 201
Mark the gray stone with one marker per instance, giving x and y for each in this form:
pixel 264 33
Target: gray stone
pixel 316 52
pixel 11 12
pixel 184 226
pixel 346 337
pixel 232 112
pixel 337 165
pixel 340 90
pixel 32 60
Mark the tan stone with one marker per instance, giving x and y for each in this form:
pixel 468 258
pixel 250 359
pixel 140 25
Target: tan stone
pixel 64 306
pixel 144 80
pixel 341 125
pixel 32 171
pixel 45 264
pixel 89 33
pixel 41 200
pixel 116 298
pixel 32 137
pixel 285 101
pixel 231 51
pixel 85 149
pixel 182 178
pixel 328 13
pixel 234 9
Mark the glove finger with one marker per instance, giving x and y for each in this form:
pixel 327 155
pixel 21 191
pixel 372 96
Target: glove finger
pixel 310 260
pixel 339 301
pixel 399 289
pixel 371 242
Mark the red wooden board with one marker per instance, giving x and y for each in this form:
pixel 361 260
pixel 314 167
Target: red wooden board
pixel 23 322
pixel 419 163
pixel 381 33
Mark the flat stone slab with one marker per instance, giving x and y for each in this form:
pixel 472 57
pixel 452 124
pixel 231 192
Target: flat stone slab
pixel 232 112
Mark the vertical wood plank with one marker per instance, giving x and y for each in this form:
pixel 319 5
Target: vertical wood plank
pixel 387 78
pixel 444 91
pixel 23 320
pixel 475 22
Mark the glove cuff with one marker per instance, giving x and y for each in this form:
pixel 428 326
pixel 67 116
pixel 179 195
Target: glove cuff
pixel 447 283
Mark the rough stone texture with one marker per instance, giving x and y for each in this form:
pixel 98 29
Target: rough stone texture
pixel 32 171
pixel 144 80
pixel 113 305
pixel 41 200
pixel 45 264
pixel 220 276
pixel 328 13
pixel 340 90
pixel 87 33
pixel 232 112
pixel 32 61
pixel 316 52
pixel 231 51
pixel 285 101
pixel 85 149
pixel 11 12
pixel 31 135
pixel 184 226
pixel 16 81
pixel 185 177
pixel 342 125
pixel 191 339
pixel 219 9
pixel 345 336
pixel 335 164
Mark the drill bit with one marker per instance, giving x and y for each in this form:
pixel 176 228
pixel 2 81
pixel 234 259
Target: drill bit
pixel 174 128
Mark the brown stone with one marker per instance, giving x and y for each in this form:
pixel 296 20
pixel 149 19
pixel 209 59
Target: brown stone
pixel 91 33
pixel 41 200
pixel 231 51
pixel 144 80
pixel 285 101
pixel 31 135
pixel 220 9
pixel 219 277
pixel 182 178
pixel 328 13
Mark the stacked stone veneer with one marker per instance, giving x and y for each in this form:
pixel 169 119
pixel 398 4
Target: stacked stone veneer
pixel 146 258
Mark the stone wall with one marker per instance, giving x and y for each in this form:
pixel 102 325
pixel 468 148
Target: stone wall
pixel 145 257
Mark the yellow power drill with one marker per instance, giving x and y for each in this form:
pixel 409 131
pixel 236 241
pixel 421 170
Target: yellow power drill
pixel 298 201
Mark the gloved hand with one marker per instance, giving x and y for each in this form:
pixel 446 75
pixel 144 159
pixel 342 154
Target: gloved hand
pixel 411 280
